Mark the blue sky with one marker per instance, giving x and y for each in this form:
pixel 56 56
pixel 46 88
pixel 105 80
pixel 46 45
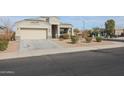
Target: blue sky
pixel 93 21
pixel 77 21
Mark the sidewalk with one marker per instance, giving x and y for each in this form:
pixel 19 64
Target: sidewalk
pixel 56 51
pixel 119 39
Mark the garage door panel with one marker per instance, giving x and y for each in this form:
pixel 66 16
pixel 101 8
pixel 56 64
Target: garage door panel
pixel 33 34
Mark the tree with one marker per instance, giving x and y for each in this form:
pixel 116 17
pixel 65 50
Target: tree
pixel 76 31
pixel 5 22
pixel 110 27
pixel 96 31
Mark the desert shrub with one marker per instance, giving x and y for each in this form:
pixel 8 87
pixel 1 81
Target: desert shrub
pixel 76 31
pixel 88 39
pixel 89 33
pixel 8 35
pixel 88 36
pixel 3 42
pixel 3 45
pixel 74 39
pixel 98 39
pixel 65 36
pixel 61 37
pixel 2 37
pixel 83 34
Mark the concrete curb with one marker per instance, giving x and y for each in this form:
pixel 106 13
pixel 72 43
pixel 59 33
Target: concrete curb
pixel 117 40
pixel 56 51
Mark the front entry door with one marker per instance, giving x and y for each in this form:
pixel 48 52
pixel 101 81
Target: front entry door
pixel 54 31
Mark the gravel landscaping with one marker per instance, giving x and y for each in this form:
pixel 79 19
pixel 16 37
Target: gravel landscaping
pixel 12 47
pixel 67 43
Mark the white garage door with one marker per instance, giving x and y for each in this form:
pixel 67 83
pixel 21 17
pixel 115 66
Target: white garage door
pixel 33 33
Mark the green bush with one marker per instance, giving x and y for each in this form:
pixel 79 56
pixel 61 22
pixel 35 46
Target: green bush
pixel 65 36
pixel 88 39
pixel 98 39
pixel 3 45
pixel 74 39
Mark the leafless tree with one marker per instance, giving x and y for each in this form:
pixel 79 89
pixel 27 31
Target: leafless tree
pixel 6 22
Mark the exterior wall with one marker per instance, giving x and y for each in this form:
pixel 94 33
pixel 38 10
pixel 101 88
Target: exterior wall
pixel 58 31
pixel 32 24
pixel 69 27
pixel 118 32
pixel 42 24
pixel 54 21
pixel 65 26
pixel 72 31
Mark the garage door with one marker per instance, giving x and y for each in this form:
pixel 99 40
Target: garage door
pixel 33 33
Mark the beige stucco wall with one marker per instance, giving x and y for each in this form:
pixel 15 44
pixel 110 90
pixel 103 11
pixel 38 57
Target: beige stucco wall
pixel 65 26
pixel 119 31
pixel 54 20
pixel 32 24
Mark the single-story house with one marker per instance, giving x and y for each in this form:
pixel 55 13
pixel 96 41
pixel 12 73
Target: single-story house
pixel 119 32
pixel 47 27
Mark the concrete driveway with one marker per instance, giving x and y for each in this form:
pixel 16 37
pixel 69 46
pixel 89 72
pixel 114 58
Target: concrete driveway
pixel 27 45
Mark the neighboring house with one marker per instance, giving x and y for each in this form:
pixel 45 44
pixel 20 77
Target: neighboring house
pixel 119 32
pixel 42 28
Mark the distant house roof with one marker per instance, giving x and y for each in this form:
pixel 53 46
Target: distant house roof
pixel 40 18
pixel 45 19
pixel 34 19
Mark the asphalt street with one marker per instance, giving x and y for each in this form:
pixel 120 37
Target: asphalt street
pixel 108 62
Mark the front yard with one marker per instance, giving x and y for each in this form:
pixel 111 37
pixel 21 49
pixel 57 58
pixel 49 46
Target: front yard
pixel 12 47
pixel 66 43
